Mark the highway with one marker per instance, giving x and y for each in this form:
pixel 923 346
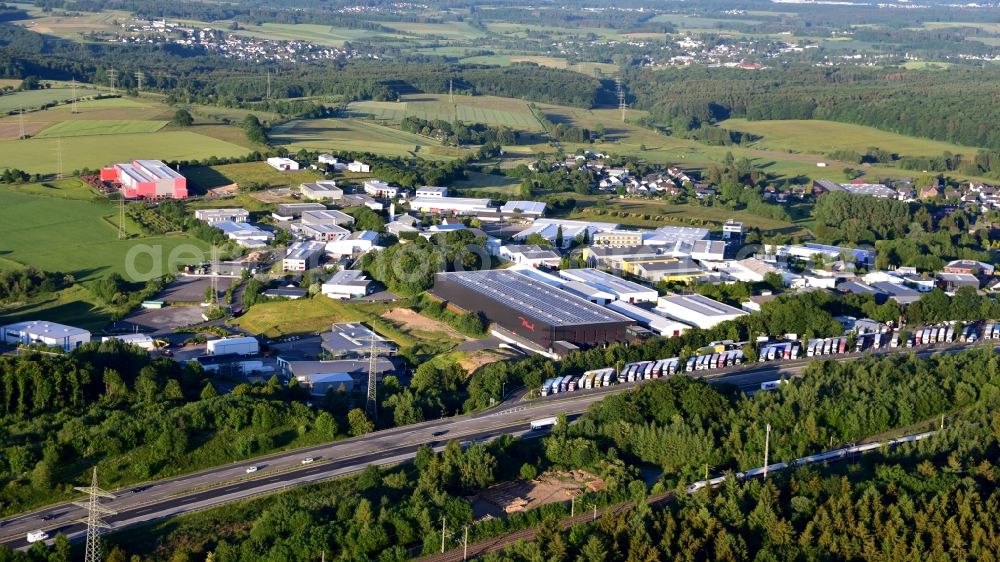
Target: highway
pixel 161 499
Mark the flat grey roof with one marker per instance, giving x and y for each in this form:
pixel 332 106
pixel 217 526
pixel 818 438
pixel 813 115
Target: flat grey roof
pixel 605 281
pixel 47 329
pixel 304 250
pixel 702 305
pixel 528 296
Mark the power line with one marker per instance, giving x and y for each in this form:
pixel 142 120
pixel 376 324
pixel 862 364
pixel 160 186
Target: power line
pixel 94 520
pixel 21 122
pixel 371 405
pixel 74 96
pixel 138 78
pixel 621 96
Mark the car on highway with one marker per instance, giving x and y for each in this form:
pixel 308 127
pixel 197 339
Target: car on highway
pixel 49 516
pixel 439 433
pixel 251 469
pixel 308 460
pixel 140 489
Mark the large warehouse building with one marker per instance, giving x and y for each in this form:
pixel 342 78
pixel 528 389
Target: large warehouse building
pixel 532 310
pixel 146 179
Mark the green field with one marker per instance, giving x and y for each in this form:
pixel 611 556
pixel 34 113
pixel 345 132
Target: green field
pixel 588 68
pixel 320 34
pixel 73 235
pixel 488 110
pixel 36 98
pixel 210 177
pixel 487 183
pixel 821 137
pixel 449 30
pixel 109 103
pixel 100 127
pixel 654 213
pixel 355 135
pixel 41 155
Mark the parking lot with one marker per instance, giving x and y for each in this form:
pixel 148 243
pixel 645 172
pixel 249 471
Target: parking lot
pixel 192 289
pixel 160 321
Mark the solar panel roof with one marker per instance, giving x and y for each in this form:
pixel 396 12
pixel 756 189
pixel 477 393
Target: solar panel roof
pixel 531 297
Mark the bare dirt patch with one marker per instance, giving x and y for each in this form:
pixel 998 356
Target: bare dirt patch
pixel 477 359
pixel 411 320
pixel 551 487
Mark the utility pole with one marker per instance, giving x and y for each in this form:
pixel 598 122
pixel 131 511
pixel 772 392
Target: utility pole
pixel 138 78
pixel 94 520
pixel 595 511
pixel 268 84
pixel 21 121
pixel 444 532
pixel 121 215
pixel 767 445
pixel 74 96
pixel 706 471
pixel 59 162
pixel 112 75
pixel 942 422
pixel 465 544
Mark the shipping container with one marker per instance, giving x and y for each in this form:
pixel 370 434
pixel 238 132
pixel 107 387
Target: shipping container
pixel 842 345
pixel 690 364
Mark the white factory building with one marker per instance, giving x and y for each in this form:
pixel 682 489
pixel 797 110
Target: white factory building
pixel 656 323
pixel 355 243
pixel 303 255
pixel 346 284
pixel 238 346
pixel 697 310
pixel 282 164
pixel 451 205
pixel 621 289
pixel 50 334
pixel 139 340
pixel 321 190
pixel 212 216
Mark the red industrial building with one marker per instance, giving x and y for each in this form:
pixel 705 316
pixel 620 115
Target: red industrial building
pixel 146 179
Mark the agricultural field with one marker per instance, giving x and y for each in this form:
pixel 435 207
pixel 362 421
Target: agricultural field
pixel 108 109
pixel 42 155
pixel 820 137
pixel 489 110
pixel 33 99
pixel 64 232
pixel 449 30
pixel 487 183
pixel 654 213
pixel 319 34
pixel 232 114
pixel 204 178
pixel 71 26
pixel 588 68
pixel 100 127
pixel 356 135
pixel 694 22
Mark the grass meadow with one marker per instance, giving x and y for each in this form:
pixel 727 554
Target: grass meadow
pixel 99 127
pixel 357 135
pixel 489 110
pixel 33 99
pixel 821 137
pixel 42 155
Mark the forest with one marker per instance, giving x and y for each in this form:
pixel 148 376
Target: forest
pixel 674 427
pixel 952 106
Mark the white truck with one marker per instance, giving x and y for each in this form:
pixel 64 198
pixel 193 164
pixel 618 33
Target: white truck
pixel 544 423
pixel 35 536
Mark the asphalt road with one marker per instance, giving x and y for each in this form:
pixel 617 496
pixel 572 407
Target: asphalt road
pixel 223 484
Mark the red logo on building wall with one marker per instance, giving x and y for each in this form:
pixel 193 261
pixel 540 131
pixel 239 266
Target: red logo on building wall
pixel 526 324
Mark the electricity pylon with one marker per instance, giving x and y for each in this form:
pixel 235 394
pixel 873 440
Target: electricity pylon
pixel 94 520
